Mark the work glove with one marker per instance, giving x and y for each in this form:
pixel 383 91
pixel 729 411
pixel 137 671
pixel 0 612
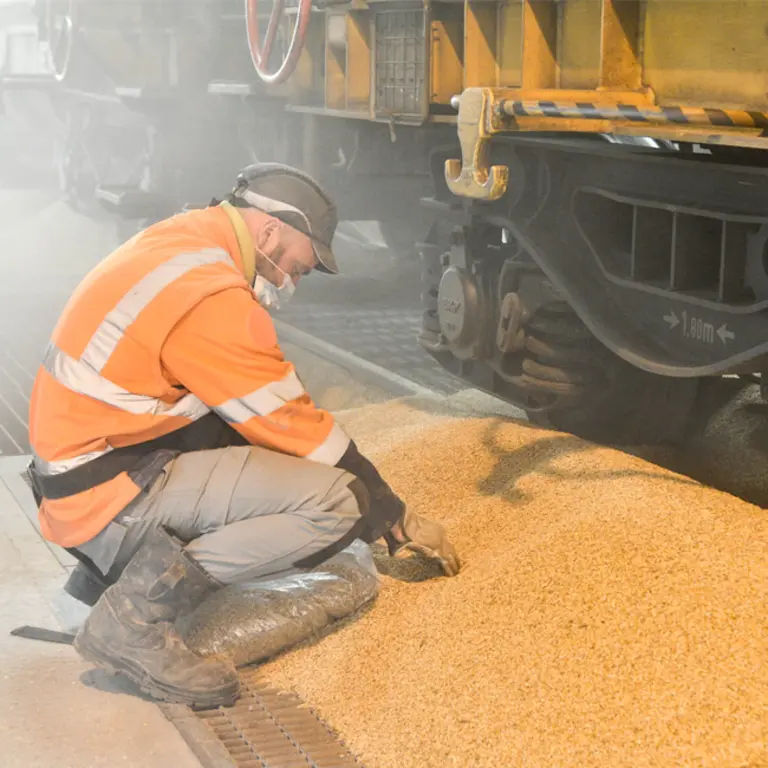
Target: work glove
pixel 426 537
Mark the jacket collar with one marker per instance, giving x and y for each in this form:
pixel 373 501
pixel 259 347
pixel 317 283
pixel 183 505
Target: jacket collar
pixel 244 241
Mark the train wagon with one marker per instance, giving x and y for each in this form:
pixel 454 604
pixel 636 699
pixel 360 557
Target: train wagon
pixel 585 180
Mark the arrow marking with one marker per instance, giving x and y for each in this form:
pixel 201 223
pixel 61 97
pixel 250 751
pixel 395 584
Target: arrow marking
pixel 672 319
pixel 725 334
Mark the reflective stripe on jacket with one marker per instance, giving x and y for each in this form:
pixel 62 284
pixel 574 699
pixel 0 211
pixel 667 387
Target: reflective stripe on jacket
pixel 160 333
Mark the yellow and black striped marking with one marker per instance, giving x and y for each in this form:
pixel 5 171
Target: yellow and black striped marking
pixel 730 118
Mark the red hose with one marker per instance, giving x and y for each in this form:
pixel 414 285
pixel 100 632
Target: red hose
pixel 260 54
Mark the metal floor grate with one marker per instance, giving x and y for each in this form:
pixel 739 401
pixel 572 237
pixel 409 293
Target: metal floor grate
pixel 266 728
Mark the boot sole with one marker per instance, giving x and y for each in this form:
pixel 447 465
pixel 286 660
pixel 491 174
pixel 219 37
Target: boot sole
pixel 154 689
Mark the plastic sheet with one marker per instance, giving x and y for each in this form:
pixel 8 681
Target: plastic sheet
pixel 254 621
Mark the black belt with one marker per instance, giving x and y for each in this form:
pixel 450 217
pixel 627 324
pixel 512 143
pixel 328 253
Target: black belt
pixel 207 433
pixel 143 460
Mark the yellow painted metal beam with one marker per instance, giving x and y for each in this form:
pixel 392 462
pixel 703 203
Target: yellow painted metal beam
pixel 620 65
pixel 509 45
pixel 539 44
pixel 358 65
pixel 335 61
pixel 480 64
pixel 578 44
pixel 446 56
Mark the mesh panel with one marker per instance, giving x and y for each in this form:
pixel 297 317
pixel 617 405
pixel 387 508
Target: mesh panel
pixel 400 62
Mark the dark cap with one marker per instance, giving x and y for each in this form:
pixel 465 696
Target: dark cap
pixel 295 198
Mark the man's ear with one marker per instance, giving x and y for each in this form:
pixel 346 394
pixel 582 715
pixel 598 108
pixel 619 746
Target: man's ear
pixel 269 236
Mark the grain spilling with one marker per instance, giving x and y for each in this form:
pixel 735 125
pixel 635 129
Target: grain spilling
pixel 609 613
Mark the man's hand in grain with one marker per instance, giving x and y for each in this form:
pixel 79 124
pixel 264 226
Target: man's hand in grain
pixel 425 537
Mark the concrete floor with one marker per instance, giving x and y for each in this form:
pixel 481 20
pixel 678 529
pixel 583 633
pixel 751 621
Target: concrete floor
pixel 54 709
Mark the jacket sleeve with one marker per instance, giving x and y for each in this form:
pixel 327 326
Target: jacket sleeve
pixel 225 351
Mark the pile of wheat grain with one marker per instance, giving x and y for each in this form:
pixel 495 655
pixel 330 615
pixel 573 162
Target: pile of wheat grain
pixel 609 613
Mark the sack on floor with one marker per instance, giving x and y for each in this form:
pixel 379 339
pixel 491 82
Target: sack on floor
pixel 255 621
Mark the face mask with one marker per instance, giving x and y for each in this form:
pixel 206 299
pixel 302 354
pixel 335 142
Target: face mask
pixel 271 296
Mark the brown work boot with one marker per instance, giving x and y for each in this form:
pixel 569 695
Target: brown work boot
pixel 130 629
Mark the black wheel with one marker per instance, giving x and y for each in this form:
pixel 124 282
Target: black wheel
pixel 624 406
pixel 549 363
pixel 589 391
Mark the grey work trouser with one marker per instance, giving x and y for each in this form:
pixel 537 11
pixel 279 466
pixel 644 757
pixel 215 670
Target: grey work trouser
pixel 244 511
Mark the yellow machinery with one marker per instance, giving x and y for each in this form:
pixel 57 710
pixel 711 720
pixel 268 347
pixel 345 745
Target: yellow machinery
pixel 594 227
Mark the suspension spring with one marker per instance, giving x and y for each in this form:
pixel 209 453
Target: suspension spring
pixel 561 357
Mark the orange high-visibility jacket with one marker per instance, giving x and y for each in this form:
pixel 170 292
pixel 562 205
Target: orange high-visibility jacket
pixel 162 332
